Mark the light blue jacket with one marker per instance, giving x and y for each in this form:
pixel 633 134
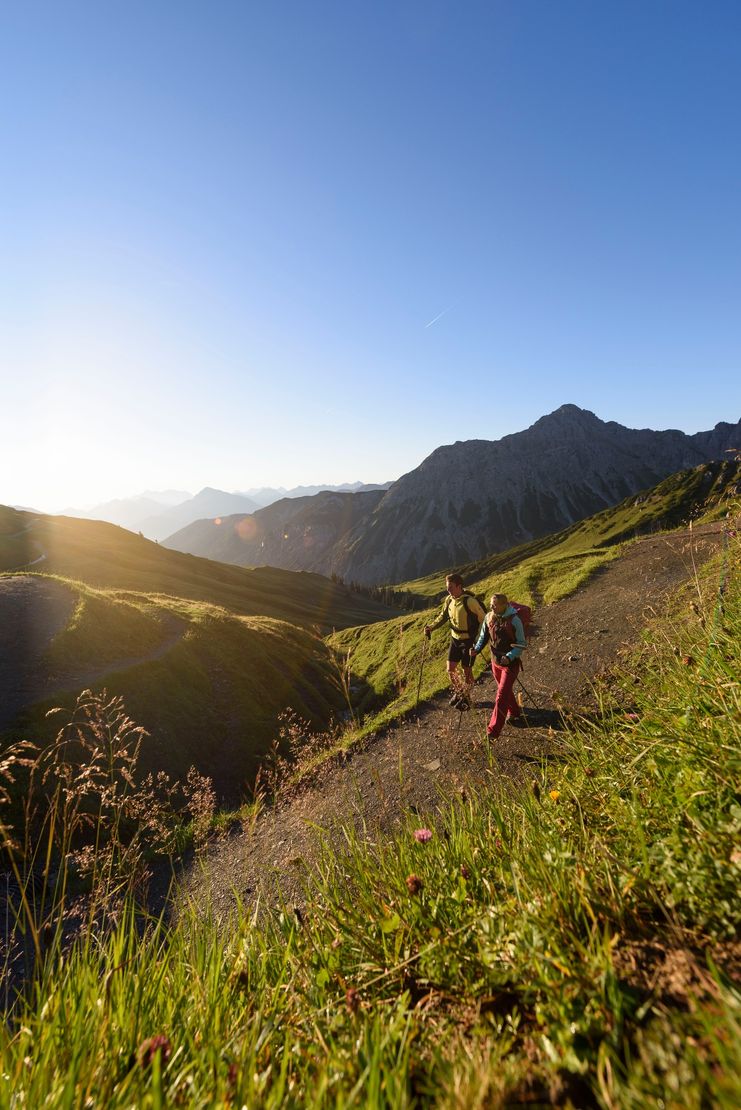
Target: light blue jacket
pixel 510 613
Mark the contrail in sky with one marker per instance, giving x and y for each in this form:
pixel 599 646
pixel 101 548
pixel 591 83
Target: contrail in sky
pixel 439 316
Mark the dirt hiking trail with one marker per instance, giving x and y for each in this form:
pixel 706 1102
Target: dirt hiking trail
pixel 33 610
pixel 420 763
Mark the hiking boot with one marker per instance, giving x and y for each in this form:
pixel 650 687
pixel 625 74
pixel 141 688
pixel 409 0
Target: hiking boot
pixel 463 703
pixel 454 699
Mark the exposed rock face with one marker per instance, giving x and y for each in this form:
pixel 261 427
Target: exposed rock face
pixel 470 499
pixel 297 533
pixel 467 500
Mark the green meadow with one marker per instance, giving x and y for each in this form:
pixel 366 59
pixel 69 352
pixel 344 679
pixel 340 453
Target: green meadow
pixel 109 557
pixel 208 656
pixel 572 944
pixel 209 686
pixel 384 659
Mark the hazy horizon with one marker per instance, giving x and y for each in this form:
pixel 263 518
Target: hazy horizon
pixel 187 495
pixel 255 245
pixel 246 491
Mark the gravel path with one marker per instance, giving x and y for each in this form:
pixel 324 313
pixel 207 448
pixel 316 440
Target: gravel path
pixel 421 762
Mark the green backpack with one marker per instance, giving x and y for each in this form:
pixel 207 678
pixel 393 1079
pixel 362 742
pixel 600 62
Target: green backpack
pixel 473 621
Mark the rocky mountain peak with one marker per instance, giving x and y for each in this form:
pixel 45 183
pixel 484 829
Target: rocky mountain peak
pixel 471 498
pixel 569 417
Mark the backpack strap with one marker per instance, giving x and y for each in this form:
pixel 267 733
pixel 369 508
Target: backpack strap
pixel 469 612
pixel 460 631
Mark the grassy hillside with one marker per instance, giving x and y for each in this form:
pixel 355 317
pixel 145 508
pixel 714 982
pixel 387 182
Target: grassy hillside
pixel 572 944
pixel 105 555
pixel 294 532
pixel 384 659
pixel 208 685
pixel 207 655
pixel 699 493
pixel 168 631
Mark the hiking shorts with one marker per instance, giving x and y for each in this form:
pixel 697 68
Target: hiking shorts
pixel 460 651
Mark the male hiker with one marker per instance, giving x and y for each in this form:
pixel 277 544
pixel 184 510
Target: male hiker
pixel 465 613
pixel 504 630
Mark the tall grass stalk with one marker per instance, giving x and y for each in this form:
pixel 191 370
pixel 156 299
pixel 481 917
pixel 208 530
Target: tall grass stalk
pixel 577 945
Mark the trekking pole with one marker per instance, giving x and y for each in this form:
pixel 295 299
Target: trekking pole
pixel 421 669
pixel 532 699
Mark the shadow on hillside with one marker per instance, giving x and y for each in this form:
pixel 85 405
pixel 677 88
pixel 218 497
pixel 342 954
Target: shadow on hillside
pixel 545 718
pixel 533 718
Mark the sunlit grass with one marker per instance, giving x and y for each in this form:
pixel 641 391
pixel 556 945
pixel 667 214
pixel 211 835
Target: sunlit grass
pixel 385 659
pixel 112 558
pixel 105 628
pixel 570 943
pixel 184 666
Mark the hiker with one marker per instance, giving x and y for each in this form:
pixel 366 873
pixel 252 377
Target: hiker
pixel 465 613
pixel 504 630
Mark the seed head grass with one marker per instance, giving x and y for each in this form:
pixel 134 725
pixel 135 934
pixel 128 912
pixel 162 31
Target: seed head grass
pixel 578 948
pixel 208 686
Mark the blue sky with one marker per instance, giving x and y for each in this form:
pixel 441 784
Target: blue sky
pixel 225 227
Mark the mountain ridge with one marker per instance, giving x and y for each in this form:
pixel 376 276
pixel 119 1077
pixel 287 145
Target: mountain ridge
pixel 159 513
pixel 465 500
pixel 107 556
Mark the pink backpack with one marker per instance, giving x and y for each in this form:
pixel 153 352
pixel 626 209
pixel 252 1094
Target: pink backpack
pixel 524 612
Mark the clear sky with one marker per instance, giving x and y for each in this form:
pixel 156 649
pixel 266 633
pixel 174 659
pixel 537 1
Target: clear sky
pixel 250 243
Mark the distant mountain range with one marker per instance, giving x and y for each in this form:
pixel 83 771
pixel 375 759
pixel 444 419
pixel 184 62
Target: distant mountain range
pixel 298 533
pixel 267 495
pixel 208 503
pixel 462 502
pixel 131 512
pixel 159 513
